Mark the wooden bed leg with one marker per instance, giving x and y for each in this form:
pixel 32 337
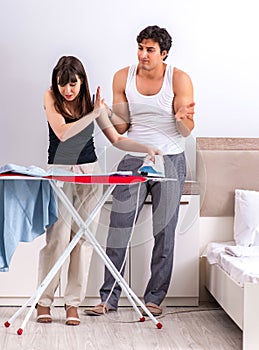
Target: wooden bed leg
pixel 250 321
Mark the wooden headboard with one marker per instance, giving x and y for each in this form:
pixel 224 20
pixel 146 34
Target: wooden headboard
pixel 222 165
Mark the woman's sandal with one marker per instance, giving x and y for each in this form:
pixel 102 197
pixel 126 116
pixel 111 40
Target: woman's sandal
pixel 72 318
pixel 43 314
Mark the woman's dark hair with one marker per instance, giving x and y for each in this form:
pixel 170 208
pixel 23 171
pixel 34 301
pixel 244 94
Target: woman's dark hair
pixel 157 34
pixel 65 72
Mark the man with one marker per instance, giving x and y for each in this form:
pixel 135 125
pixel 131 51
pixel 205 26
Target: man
pixel 153 102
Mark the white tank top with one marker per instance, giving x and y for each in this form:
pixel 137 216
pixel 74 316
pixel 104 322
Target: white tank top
pixel 151 117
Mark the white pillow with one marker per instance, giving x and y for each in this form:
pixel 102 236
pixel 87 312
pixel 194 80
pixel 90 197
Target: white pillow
pixel 246 218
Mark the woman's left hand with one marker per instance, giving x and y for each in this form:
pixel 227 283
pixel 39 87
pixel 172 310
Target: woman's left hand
pixel 99 103
pixel 152 152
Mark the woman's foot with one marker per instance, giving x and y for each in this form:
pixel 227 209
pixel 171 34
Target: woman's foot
pixel 43 314
pixel 72 318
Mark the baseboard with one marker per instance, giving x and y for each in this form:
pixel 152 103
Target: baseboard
pixel 91 301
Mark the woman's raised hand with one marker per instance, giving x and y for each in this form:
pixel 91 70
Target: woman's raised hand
pixel 99 101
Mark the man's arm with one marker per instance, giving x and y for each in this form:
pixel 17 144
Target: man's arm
pixel 183 104
pixel 120 111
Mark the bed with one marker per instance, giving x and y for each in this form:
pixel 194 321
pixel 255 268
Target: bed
pixel 228 173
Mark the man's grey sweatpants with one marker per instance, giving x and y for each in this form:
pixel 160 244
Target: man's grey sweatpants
pixel 165 196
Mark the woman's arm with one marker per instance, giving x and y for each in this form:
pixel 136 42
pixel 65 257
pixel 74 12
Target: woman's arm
pixel 122 142
pixel 57 122
pixel 119 122
pixel 120 111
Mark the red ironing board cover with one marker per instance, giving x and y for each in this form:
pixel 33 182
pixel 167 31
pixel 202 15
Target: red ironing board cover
pixel 83 179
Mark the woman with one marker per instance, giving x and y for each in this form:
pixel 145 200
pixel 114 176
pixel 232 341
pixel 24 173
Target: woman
pixel 70 114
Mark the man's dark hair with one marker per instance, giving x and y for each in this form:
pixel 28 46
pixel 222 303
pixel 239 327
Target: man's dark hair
pixel 157 34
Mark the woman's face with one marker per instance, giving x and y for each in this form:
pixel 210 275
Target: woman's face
pixel 71 90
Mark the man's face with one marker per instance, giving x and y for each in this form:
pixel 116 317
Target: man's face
pixel 149 55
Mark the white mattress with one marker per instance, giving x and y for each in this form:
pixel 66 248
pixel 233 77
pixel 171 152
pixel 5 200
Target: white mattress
pixel 241 268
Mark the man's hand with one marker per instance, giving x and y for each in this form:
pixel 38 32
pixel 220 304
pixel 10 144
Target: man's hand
pixel 184 119
pixel 185 112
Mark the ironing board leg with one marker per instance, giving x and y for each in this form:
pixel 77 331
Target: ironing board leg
pixel 36 296
pixel 83 229
pixel 100 251
pixel 120 280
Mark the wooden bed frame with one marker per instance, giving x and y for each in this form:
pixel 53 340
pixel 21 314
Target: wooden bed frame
pixel 240 303
pixel 224 164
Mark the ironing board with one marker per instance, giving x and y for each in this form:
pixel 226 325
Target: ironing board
pixel 56 183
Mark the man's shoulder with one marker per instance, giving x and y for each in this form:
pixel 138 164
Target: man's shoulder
pixel 179 72
pixel 181 80
pixel 120 77
pixel 122 72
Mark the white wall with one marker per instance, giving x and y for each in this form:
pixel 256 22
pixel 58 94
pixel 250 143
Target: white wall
pixel 214 41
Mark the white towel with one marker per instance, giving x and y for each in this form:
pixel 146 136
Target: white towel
pixel 242 250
